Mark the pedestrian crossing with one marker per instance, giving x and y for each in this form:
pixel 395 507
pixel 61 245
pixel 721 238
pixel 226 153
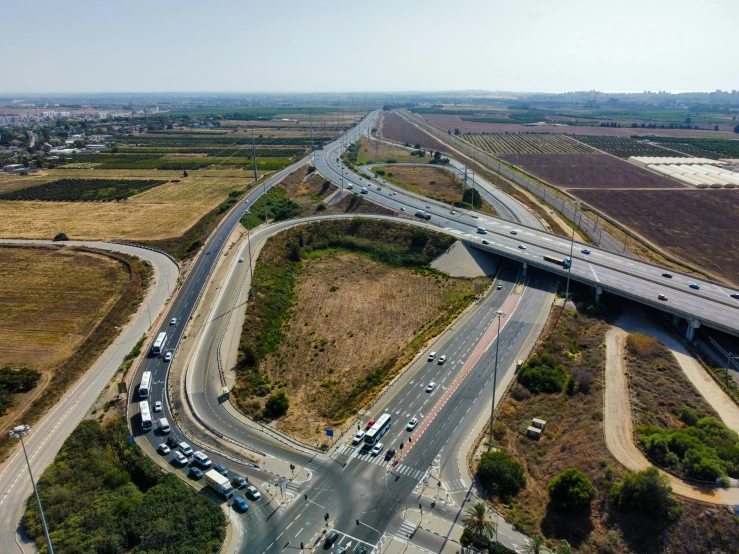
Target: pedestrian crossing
pixel 406 530
pixel 314 464
pixel 380 460
pixel 293 486
pixel 454 485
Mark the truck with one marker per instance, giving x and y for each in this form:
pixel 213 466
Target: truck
pixel 564 262
pixel 422 214
pixel 219 483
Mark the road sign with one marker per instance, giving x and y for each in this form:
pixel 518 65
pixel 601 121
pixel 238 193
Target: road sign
pixel 329 432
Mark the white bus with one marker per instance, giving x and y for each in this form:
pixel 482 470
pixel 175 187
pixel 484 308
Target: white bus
pixel 159 344
pixel 378 429
pixel 145 384
pixel 146 424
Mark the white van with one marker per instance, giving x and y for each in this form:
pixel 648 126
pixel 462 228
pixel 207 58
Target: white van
pixel 201 459
pixel 164 426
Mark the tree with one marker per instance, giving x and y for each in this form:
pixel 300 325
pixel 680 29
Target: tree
pixel 419 238
pixel 535 545
pixel 471 196
pixel 60 236
pixel 477 522
pixel 646 491
pixel 500 475
pixel 571 490
pixel 277 405
pixel 736 129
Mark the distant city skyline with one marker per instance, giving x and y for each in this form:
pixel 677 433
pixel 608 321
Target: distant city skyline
pixel 289 46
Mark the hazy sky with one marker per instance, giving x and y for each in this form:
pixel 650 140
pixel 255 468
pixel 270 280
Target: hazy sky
pixel 376 45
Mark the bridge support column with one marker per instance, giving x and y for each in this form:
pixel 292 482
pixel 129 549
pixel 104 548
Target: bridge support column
pixel 693 324
pixel 598 291
pixel 676 320
pixel 525 265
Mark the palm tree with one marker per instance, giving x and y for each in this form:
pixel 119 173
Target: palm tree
pixel 536 544
pixel 477 523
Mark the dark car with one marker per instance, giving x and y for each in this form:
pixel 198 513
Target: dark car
pixel 195 473
pixel 331 537
pixel 220 469
pixel 668 275
pixel 361 550
pixel 173 441
pixel 735 295
pixel 390 454
pixel 240 504
pixel 239 482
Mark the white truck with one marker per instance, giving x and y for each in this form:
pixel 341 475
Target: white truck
pixel 219 483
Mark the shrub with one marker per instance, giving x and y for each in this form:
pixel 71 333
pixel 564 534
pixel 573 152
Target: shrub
pixel 500 475
pixel 321 207
pixel 60 237
pixel 643 346
pixel 277 405
pixel 419 238
pixel 542 378
pixel 689 417
pixel 571 490
pixel 647 492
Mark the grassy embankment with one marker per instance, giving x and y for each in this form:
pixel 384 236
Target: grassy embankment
pixel 338 314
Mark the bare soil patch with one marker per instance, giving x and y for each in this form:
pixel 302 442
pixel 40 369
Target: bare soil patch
pixel 377 151
pixel 693 225
pixel 395 128
pixel 589 171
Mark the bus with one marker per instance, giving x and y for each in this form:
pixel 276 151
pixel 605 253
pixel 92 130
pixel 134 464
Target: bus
pixel 145 384
pixel 378 429
pixel 159 344
pixel 566 262
pixel 146 423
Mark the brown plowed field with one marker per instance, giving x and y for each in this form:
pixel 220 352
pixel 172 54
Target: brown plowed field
pixel 589 171
pixel 694 225
pixel 398 129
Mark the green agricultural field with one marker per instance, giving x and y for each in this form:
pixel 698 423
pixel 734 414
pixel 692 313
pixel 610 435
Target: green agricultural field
pixel 525 143
pixel 82 190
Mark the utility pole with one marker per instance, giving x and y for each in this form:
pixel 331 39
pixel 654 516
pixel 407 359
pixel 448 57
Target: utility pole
pixel 310 118
pixel 572 249
pixel 254 153
pixel 248 246
pixel 498 315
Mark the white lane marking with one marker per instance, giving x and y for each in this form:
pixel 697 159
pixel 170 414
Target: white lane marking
pixel 594 275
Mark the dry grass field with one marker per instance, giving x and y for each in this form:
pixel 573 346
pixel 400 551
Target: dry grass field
pixel 395 128
pixel 351 315
pixel 163 212
pixel 51 300
pixel 375 151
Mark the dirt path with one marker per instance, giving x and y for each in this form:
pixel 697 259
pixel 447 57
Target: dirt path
pixel 618 425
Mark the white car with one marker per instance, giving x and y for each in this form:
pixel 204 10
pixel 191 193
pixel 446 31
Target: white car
pixel 377 449
pixel 432 356
pixel 358 437
pixel 163 449
pixel 452 212
pixel 173 321
pixel 442 359
pixel 402 209
pixel 168 357
pixel 241 260
pixel 253 492
pixel 481 231
pixel 158 406
pixel 179 458
pixel 185 449
pixel 522 246
pixel 411 424
pixel 431 387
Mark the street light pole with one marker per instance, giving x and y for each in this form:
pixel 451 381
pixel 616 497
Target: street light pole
pixel 18 433
pixel 572 249
pixel 499 314
pixel 248 246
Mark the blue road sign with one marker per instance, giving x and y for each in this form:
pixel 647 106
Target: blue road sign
pixel 329 432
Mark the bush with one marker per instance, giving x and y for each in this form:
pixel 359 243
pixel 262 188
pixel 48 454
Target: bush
pixel 643 346
pixel 538 377
pixel 571 490
pixel 277 405
pixel 419 238
pixel 500 475
pixel 15 382
pixel 689 417
pixel 60 237
pixel 321 207
pixel 647 492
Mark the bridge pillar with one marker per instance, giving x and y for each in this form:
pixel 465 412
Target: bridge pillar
pixel 676 320
pixel 693 324
pixel 598 291
pixel 525 265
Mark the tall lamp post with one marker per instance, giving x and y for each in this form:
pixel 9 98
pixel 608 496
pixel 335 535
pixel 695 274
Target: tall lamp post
pixel 499 315
pixel 248 247
pixel 19 432
pixel 572 249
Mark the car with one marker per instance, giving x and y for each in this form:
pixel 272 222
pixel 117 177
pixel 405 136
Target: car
pixel 485 242
pixel 173 441
pixel 331 537
pixel 341 550
pixel 390 454
pixel 522 246
pixel 163 449
pixel 196 473
pixel 377 449
pixel 238 481
pixel 240 504
pixel 358 437
pixel 695 286
pixel 361 550
pixel 514 232
pixel 173 321
pixel 179 458
pixel 411 424
pixel 499 286
pixel 402 209
pixel 220 469
pixel 668 275
pixel 350 186
pixel 735 295
pixel 481 231
pixel 379 188
pixel 185 449
pixel 168 357
pixel 370 423
pixel 452 212
pixel 201 459
pixel 432 355
pixel 661 297
pixel 585 251
pixel 158 406
pixel 253 492
pixel 442 359
pixel 241 260
pixel 431 386
pixel 428 207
